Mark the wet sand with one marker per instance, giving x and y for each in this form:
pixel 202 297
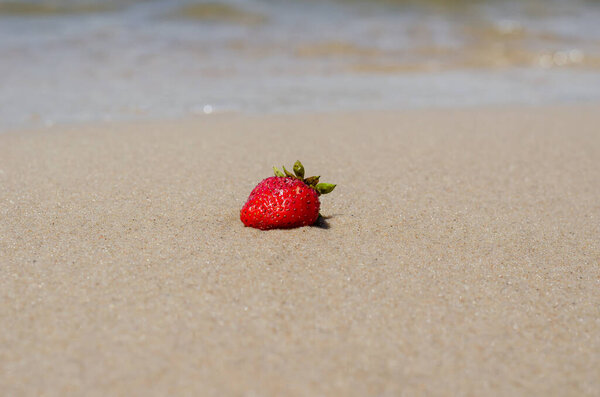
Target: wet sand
pixel 460 254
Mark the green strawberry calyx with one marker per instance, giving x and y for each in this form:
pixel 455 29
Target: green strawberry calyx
pixel 312 181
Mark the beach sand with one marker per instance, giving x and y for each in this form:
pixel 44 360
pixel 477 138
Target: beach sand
pixel 460 255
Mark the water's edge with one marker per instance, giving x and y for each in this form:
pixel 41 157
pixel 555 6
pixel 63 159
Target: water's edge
pixel 86 61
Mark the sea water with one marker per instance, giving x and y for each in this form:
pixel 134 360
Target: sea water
pixel 81 61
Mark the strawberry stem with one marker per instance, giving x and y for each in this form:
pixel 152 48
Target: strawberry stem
pixel 299 169
pixel 277 172
pixel 324 188
pixel 312 181
pixel 287 173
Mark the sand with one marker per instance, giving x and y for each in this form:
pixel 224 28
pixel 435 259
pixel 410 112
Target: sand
pixel 460 255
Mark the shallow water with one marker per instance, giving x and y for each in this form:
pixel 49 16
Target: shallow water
pixel 72 61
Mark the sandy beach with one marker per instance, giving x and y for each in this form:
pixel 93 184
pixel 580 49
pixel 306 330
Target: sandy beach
pixel 460 255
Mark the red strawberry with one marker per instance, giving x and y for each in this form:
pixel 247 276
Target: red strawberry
pixel 285 200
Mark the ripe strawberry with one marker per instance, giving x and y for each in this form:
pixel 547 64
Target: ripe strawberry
pixel 285 200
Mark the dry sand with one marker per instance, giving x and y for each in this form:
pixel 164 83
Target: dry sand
pixel 460 257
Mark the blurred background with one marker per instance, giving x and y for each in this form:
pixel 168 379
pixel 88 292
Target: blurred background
pixel 92 60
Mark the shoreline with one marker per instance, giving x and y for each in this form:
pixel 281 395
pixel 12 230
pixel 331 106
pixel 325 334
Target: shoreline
pixel 459 253
pixel 296 114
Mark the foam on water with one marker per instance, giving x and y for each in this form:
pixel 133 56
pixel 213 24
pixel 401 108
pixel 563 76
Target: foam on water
pixel 74 61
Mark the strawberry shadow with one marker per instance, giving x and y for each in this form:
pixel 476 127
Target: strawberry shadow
pixel 322 223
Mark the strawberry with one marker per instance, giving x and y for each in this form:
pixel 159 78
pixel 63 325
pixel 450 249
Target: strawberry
pixel 285 200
